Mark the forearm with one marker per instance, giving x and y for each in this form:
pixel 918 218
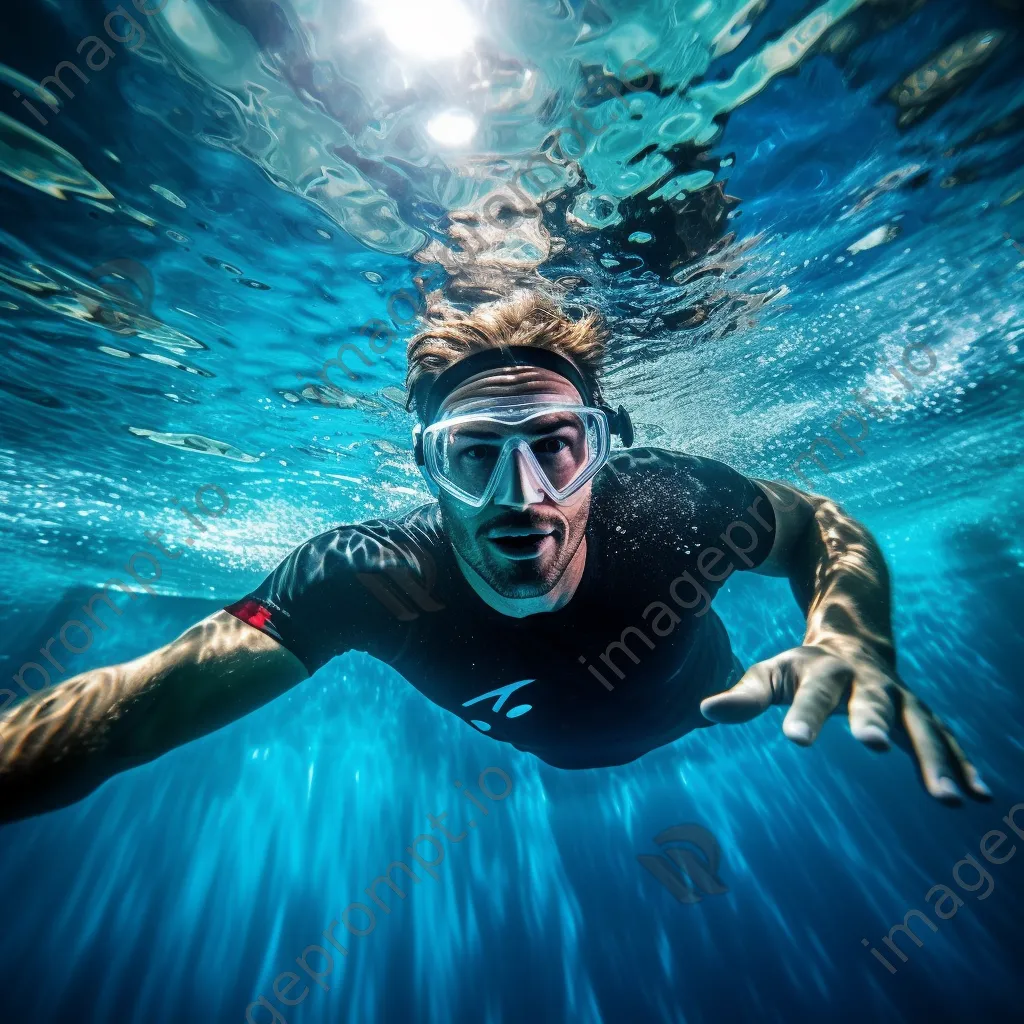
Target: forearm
pixel 847 661
pixel 62 743
pixel 841 581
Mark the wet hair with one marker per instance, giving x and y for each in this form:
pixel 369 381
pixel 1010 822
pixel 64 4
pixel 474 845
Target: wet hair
pixel 525 318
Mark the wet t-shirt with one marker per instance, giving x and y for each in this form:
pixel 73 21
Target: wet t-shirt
pixel 619 670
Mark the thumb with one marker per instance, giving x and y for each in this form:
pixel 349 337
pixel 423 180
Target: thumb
pixel 751 696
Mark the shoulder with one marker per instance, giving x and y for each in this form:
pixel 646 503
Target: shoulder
pixel 680 497
pixel 344 588
pixel 655 460
pixel 649 470
pixel 375 545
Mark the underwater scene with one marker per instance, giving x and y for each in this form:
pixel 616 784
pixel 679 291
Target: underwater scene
pixel 442 768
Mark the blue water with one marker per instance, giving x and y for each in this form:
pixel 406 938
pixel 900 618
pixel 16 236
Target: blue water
pixel 190 238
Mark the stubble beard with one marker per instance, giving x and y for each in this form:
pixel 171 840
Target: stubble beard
pixel 513 579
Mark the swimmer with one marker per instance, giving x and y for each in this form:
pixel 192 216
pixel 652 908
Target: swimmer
pixel 555 596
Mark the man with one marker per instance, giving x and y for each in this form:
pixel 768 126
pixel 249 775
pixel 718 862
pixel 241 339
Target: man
pixel 542 546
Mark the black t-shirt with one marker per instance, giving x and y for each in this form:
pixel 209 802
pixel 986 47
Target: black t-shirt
pixel 617 671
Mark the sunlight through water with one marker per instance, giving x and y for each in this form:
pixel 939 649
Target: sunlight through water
pixel 804 224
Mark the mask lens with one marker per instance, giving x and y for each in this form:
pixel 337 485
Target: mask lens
pixel 470 456
pixel 466 454
pixel 560 445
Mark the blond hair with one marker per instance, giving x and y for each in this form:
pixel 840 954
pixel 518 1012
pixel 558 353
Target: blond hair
pixel 526 318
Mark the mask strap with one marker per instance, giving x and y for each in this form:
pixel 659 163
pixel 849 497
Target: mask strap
pixel 421 462
pixel 429 396
pixel 620 424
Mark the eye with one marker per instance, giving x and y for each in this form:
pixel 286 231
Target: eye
pixel 549 446
pixel 477 451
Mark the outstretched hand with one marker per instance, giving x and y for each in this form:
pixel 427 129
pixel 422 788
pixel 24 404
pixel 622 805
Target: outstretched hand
pixel 818 683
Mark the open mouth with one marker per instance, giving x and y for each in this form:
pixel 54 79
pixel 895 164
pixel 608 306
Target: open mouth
pixel 521 542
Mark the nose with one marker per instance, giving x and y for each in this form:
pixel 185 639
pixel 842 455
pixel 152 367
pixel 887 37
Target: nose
pixel 519 486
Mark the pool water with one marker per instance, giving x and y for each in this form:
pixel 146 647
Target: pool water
pixel 804 223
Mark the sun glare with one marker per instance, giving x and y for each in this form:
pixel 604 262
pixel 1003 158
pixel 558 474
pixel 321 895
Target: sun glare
pixel 452 127
pixel 430 29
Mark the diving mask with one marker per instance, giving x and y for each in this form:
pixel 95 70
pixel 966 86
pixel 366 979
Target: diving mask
pixel 561 444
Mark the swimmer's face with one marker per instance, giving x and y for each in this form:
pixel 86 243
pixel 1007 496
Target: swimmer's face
pixel 520 542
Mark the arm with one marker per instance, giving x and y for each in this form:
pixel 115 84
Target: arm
pixel 837 573
pixel 840 580
pixel 62 743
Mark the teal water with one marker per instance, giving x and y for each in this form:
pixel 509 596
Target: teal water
pixel 829 191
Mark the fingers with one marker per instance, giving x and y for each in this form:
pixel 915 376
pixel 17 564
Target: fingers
pixel 746 700
pixel 872 708
pixel 970 778
pixel 822 684
pixel 814 682
pixel 934 756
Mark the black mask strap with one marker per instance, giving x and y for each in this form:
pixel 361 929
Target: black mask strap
pixel 497 359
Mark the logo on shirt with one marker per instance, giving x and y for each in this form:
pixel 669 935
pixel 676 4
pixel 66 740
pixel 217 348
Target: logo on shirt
pixel 685 873
pixel 502 696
